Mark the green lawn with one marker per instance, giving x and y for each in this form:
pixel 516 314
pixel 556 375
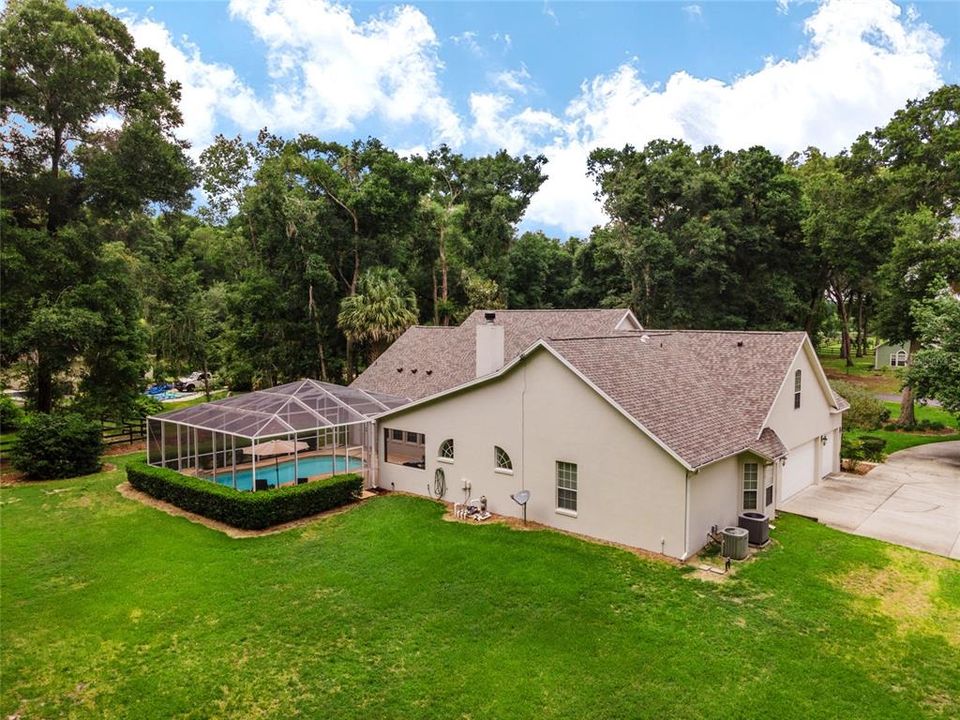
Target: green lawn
pixel 897 440
pixel 111 609
pixel 885 380
pixel 214 395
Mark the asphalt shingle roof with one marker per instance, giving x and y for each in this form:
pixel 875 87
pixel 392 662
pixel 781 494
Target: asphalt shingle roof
pixel 426 360
pixel 705 395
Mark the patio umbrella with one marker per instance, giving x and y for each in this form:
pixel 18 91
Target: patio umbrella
pixel 275 447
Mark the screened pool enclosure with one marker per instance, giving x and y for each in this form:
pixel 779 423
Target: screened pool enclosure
pixel 289 434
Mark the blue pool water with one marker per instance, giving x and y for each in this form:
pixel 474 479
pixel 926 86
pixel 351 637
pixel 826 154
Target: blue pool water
pixel 283 472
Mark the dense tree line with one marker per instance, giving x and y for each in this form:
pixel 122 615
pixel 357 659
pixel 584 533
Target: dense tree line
pixel 304 257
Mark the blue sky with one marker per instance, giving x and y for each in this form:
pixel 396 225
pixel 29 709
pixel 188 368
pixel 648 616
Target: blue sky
pixel 553 77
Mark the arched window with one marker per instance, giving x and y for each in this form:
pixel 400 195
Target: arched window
pixel 899 359
pixel 446 449
pixel 797 381
pixel 501 459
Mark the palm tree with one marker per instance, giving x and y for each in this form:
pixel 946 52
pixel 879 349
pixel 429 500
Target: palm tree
pixel 383 307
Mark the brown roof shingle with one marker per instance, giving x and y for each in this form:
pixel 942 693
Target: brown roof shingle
pixel 705 395
pixel 426 360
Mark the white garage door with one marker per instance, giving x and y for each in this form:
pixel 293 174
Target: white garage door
pixel 799 471
pixel 826 457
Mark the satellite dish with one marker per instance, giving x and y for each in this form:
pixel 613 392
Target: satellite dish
pixel 521 498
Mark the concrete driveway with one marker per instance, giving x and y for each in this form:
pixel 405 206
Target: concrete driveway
pixel 913 499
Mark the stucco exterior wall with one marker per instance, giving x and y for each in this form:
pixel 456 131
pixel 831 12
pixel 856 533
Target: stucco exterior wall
pixel 811 420
pixel 716 496
pixel 714 500
pixel 630 490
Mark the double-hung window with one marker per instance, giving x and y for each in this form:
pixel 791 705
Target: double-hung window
pixel 751 485
pixel 566 486
pixel 797 381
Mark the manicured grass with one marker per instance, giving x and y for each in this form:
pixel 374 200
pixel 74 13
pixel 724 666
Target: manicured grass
pixel 214 395
pixel 885 380
pixel 900 440
pixel 897 440
pixel 111 609
pixel 925 412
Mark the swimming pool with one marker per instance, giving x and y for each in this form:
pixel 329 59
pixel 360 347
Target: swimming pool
pixel 285 472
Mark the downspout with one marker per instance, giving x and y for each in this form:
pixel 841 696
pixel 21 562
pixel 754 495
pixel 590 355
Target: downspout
pixel 686 516
pixel 523 401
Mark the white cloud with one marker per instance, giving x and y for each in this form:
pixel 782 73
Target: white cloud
pixel 548 11
pixel 468 40
pixel 210 92
pixel 862 62
pixel 329 72
pixel 493 126
pixel 503 38
pixel 513 80
pixel 693 12
pixel 332 72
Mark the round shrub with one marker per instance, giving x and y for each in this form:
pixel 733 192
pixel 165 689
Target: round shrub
pixel 145 405
pixel 873 448
pixel 11 415
pixel 866 412
pixel 57 446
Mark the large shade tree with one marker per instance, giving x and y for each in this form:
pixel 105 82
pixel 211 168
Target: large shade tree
pixel 68 73
pixel 917 155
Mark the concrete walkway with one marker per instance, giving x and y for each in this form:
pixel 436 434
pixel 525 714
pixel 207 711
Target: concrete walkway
pixel 913 499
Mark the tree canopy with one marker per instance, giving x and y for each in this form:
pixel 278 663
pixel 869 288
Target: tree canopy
pixel 306 257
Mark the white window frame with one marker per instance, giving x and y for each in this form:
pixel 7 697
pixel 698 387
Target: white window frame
pixel 767 472
pixel 442 454
pixel 756 485
pixel 797 387
pixel 498 466
pixel 898 359
pixel 561 468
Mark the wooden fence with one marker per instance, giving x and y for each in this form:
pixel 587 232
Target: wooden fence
pixel 123 431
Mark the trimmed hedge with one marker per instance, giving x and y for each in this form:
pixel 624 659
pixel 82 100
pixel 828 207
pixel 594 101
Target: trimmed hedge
pixel 245 510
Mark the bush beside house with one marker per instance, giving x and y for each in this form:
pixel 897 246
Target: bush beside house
pixel 245 510
pixel 866 412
